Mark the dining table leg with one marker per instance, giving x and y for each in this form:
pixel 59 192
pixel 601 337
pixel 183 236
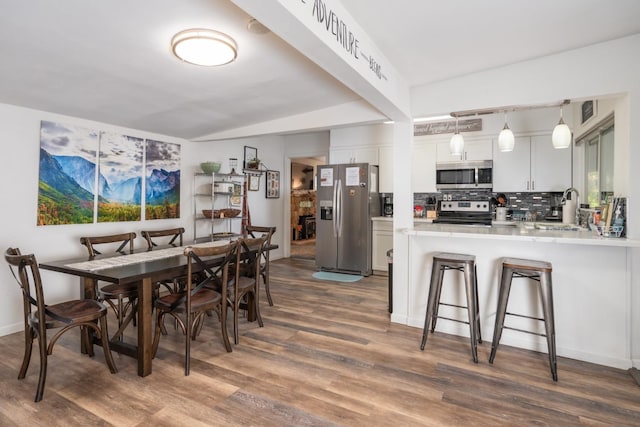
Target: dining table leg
pixel 87 291
pixel 145 301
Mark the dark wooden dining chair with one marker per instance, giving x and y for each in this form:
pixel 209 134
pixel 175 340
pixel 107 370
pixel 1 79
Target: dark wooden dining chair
pixel 84 314
pixel 167 237
pixel 243 289
pixel 255 231
pixel 125 296
pixel 190 306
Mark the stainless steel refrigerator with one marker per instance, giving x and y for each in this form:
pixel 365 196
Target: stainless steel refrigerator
pixel 347 199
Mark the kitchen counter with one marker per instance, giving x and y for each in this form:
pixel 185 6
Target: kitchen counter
pixel 522 231
pixel 592 282
pixel 420 220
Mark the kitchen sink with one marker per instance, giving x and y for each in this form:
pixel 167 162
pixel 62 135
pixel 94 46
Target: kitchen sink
pixel 554 226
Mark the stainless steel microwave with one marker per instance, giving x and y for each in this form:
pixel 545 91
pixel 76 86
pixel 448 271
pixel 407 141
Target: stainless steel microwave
pixel 467 174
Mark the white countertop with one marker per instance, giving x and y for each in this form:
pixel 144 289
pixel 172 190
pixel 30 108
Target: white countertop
pixel 390 219
pixel 521 232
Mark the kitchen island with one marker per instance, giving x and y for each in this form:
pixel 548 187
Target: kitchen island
pixel 591 284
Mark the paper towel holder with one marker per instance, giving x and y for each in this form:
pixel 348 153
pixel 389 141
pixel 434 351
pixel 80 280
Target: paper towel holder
pixel 570 206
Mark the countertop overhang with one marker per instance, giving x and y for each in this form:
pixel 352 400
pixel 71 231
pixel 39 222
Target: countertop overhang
pixel 520 232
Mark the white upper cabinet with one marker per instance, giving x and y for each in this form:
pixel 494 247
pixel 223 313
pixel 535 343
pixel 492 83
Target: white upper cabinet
pixel 473 150
pixel 354 155
pixel 423 168
pixel 533 165
pixel 385 169
pixel 550 167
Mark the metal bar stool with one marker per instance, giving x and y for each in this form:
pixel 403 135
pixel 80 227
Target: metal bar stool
pixel 539 271
pixel 467 264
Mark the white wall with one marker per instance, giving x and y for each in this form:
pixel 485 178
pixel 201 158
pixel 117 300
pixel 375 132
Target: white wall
pixel 605 69
pixel 20 136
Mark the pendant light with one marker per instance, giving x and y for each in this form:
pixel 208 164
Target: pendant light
pixel 457 143
pixel 506 140
pixel 561 136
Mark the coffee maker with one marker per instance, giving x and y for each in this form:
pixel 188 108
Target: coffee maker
pixel 387 205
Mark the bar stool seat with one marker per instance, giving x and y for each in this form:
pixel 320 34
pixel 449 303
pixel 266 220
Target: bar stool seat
pixel 443 261
pixel 540 272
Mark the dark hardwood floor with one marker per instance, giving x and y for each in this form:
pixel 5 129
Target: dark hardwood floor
pixel 327 355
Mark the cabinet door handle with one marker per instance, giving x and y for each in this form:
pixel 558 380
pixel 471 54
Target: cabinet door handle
pixel 533 185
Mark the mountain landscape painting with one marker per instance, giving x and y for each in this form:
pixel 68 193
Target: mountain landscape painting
pixel 67 177
pixel 120 178
pixel 162 185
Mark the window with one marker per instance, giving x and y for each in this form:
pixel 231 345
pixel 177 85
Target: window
pixel 598 167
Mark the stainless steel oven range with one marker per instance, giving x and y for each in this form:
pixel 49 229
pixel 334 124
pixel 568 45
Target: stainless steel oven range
pixel 464 212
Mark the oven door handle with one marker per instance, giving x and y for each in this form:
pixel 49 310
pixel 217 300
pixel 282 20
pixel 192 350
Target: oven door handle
pixel 477 179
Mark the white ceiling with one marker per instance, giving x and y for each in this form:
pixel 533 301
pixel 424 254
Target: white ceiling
pixel 110 61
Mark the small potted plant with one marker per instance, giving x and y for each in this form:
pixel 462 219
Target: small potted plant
pixel 253 163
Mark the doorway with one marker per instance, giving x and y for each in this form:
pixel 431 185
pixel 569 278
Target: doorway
pixel 303 207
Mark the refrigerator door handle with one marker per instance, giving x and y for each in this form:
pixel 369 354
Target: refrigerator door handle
pixel 338 216
pixel 335 208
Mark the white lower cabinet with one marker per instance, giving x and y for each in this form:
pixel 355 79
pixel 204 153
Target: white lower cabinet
pixel 382 242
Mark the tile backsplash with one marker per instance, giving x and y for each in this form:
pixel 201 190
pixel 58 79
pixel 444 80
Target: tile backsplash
pixel 539 203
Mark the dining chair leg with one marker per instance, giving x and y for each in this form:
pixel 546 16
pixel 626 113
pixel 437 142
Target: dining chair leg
pixel 265 279
pixel 222 315
pixel 43 368
pixel 257 306
pixel 28 347
pixel 105 345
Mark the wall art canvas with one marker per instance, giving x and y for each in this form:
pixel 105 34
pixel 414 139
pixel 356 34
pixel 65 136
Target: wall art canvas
pixel 120 178
pixel 162 185
pixel 66 186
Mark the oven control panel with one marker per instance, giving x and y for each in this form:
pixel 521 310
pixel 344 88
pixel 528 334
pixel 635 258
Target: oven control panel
pixel 465 206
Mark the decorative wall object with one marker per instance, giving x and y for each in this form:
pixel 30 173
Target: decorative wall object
pixel 588 110
pixel 254 182
pixel 120 178
pixel 162 184
pixel 66 193
pixel 273 185
pixel 73 159
pixel 251 160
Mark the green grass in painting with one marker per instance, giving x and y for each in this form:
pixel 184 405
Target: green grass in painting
pixel 56 208
pixel 164 211
pixel 117 212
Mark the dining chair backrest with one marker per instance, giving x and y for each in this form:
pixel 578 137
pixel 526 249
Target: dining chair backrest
pixel 253 231
pixel 173 237
pixel 124 239
pixel 26 272
pixel 212 277
pixel 249 254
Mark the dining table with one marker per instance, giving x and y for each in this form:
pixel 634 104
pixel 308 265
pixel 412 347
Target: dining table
pixel 142 267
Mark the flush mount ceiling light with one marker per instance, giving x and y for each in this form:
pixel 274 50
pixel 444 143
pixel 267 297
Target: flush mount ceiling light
pixel 506 140
pixel 200 46
pixel 561 136
pixel 457 142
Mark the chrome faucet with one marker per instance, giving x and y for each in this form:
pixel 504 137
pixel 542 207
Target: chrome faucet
pixel 564 199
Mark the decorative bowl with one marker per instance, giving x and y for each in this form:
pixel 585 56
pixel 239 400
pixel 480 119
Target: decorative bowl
pixel 229 213
pixel 221 213
pixel 211 167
